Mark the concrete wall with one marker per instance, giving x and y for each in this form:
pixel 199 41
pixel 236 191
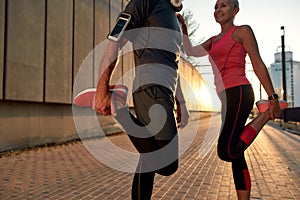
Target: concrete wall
pixel 2 28
pixel 25 124
pixel 43 43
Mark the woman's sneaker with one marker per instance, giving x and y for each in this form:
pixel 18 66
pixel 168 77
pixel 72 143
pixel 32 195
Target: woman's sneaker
pixel 263 105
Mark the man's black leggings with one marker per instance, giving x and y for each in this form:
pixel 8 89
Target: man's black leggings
pixel 237 103
pixel 158 149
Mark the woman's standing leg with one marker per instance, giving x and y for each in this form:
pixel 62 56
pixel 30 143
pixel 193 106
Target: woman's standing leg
pixel 241 177
pixel 237 103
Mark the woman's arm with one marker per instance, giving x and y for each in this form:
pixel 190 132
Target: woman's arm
pixel 246 37
pixel 190 50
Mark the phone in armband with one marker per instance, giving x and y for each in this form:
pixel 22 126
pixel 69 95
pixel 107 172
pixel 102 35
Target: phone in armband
pixel 118 30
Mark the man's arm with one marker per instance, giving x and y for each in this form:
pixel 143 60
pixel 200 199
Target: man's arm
pixel 107 66
pixel 182 112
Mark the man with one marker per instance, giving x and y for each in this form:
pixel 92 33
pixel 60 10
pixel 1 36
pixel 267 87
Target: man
pixel 155 34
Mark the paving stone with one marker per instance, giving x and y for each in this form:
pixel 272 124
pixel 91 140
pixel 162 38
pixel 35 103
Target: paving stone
pixel 71 172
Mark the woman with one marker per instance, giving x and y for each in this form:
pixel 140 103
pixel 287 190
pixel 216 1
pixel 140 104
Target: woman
pixel 227 52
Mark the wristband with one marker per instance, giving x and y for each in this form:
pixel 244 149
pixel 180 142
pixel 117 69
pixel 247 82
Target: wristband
pixel 273 96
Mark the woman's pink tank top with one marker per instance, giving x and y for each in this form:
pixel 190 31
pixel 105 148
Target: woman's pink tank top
pixel 228 59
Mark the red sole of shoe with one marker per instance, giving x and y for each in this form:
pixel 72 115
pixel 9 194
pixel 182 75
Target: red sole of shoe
pixel 86 97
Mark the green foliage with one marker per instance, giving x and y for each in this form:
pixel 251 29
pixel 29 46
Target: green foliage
pixel 192 27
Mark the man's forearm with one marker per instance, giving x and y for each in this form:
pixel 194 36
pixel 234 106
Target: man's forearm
pixel 179 95
pixel 107 65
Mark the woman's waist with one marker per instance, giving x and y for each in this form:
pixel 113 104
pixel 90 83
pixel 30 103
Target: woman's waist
pixel 222 84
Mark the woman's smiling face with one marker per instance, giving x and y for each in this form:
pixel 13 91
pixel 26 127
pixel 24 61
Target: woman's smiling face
pixel 224 11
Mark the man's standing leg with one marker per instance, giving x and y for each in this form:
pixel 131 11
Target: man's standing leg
pixel 165 162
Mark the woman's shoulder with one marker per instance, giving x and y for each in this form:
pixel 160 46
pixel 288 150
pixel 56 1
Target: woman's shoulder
pixel 207 44
pixel 242 31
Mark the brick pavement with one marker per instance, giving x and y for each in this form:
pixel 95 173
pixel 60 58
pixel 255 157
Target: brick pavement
pixel 70 172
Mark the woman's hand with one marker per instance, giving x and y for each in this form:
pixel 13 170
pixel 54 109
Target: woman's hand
pixel 182 22
pixel 274 109
pixel 180 18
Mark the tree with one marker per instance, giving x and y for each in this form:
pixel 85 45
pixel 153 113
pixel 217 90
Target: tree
pixel 192 27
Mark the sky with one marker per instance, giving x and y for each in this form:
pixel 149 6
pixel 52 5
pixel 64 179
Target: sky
pixel 265 18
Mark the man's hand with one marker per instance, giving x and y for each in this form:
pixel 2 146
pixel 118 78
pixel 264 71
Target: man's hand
pixel 102 101
pixel 182 115
pixel 108 63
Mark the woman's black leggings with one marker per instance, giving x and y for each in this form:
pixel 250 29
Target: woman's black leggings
pixel 237 103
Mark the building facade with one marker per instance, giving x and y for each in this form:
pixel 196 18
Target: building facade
pixel 43 45
pixel 292 78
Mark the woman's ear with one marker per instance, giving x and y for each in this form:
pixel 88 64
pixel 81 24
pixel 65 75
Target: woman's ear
pixel 235 11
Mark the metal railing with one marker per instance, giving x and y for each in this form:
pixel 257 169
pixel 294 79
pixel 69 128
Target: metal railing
pixel 291 114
